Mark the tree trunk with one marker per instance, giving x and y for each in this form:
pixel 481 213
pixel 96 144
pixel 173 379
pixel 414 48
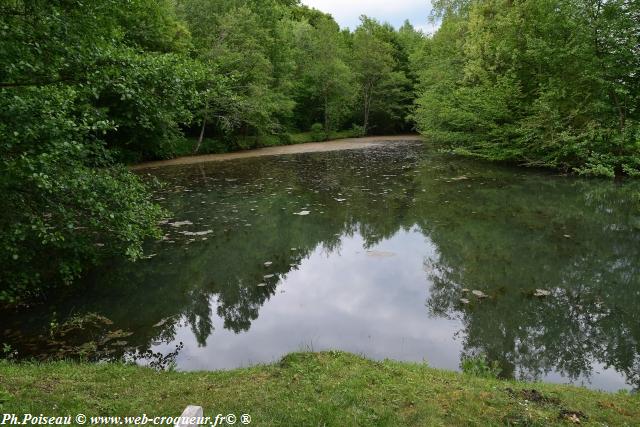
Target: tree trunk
pixel 204 125
pixel 326 116
pixel 367 108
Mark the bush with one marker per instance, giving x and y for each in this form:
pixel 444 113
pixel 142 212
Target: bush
pixel 285 139
pixel 65 205
pixel 318 133
pixel 357 131
pixel 61 216
pixel 478 366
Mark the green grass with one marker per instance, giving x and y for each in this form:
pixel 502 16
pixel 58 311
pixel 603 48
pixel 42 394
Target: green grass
pixel 315 389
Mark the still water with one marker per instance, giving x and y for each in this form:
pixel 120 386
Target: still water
pixel 376 252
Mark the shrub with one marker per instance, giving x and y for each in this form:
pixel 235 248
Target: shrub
pixel 357 130
pixel 318 133
pixel 478 366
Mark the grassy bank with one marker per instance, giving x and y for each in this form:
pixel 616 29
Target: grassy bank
pixel 331 388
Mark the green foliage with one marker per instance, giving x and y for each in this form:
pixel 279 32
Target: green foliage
pixel 287 67
pixel 479 367
pixel 357 130
pixel 538 82
pixel 147 98
pixel 317 132
pixel 382 83
pixel 7 353
pixel 304 137
pixel 67 204
pixel 325 90
pixel 244 45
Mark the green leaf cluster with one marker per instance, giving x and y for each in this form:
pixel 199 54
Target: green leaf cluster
pixel 76 86
pixel 538 82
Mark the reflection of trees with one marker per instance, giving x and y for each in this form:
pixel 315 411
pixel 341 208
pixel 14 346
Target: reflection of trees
pixel 185 279
pixel 593 273
pixel 198 314
pixel 494 231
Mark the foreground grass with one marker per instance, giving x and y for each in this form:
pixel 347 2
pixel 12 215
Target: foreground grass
pixel 315 389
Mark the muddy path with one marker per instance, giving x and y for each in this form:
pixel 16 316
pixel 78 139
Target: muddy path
pixel 311 147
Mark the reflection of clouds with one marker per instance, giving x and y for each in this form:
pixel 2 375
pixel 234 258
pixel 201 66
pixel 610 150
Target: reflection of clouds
pixel 607 379
pixel 339 296
pixel 352 302
pixel 349 300
pixel 500 233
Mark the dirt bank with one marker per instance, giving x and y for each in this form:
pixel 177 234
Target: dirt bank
pixel 311 147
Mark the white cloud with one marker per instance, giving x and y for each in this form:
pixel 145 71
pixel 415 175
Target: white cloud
pixel 347 12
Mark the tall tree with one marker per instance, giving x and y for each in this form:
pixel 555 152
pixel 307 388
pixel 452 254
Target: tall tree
pixel 244 46
pixel 327 82
pixel 381 84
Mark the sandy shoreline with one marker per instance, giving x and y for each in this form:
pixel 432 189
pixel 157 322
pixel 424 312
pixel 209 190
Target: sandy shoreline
pixel 311 147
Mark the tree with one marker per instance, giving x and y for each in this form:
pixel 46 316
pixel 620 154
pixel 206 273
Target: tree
pixel 326 83
pixel 538 82
pixel 244 46
pixel 65 116
pixel 381 84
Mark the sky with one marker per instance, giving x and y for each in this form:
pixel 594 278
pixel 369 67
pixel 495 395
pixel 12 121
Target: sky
pixel 347 12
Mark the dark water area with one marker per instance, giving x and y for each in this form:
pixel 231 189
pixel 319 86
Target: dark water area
pixel 377 252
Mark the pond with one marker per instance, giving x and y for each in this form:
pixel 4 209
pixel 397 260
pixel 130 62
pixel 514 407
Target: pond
pixel 397 251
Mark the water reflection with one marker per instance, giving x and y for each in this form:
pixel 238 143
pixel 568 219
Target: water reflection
pixel 379 266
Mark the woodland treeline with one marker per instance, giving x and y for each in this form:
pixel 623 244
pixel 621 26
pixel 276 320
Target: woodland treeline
pixel 88 86
pixel 538 82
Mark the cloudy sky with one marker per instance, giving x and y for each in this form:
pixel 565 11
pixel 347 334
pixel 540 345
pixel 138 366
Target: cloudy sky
pixel 347 12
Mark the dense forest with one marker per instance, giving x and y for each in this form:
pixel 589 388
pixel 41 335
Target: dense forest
pixel 88 87
pixel 538 82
